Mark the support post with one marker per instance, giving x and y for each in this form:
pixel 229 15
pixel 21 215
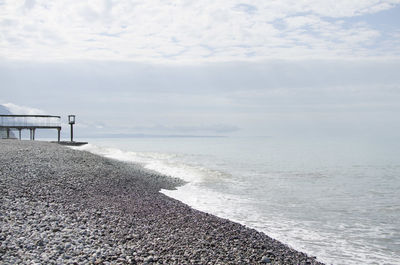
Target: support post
pixel 19 130
pixel 33 138
pixel 8 133
pixel 30 134
pixel 59 134
pixel 72 133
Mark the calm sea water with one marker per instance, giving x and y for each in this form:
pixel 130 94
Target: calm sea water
pixel 337 199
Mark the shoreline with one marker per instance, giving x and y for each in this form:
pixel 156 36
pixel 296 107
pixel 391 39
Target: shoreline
pixel 66 206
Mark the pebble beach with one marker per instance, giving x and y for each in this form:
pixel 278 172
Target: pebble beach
pixel 63 206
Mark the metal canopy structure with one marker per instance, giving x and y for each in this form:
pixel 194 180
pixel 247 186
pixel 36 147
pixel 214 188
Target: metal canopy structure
pixel 29 122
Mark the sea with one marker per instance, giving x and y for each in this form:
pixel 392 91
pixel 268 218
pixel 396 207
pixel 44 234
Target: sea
pixel 334 198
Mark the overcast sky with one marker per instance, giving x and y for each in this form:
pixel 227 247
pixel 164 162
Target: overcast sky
pixel 205 67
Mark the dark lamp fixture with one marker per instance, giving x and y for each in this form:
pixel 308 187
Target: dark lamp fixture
pixel 71 119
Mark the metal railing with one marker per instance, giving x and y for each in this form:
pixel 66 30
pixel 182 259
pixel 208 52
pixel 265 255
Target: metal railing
pixel 28 121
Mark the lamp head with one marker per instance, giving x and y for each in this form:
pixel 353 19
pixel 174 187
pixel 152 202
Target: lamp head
pixel 71 119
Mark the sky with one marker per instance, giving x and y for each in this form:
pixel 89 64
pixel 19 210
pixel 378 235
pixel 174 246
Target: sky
pixel 227 67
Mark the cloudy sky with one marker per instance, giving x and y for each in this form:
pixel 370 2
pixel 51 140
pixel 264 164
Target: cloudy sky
pixel 205 67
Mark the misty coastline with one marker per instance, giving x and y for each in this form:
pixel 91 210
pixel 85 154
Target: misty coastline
pixel 61 206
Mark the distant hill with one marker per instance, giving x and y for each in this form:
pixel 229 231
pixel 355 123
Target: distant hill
pixel 4 110
pixel 3 133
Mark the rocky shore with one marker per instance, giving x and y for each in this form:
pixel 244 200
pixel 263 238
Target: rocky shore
pixel 61 206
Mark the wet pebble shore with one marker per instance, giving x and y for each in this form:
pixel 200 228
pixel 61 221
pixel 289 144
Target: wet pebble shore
pixel 62 206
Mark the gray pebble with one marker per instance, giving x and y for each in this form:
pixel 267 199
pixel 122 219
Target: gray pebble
pixel 265 260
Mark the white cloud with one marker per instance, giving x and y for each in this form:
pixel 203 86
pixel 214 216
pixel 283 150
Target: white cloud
pixel 156 30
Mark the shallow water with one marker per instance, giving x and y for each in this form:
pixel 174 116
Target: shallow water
pixel 336 199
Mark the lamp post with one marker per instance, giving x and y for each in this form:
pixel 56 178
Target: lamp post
pixel 71 121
